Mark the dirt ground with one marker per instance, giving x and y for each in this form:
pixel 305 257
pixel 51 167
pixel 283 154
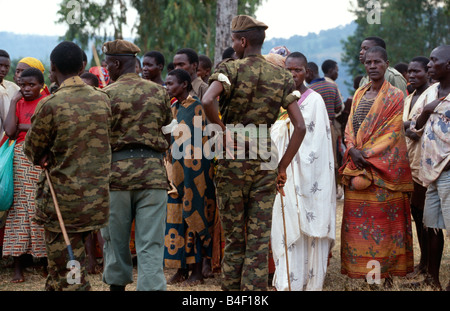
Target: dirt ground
pixel 335 281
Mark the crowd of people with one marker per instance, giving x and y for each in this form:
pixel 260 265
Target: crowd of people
pixel 139 180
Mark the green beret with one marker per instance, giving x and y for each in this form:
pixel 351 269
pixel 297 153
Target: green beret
pixel 242 23
pixel 120 48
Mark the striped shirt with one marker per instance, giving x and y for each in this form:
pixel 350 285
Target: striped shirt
pixel 330 95
pixel 361 112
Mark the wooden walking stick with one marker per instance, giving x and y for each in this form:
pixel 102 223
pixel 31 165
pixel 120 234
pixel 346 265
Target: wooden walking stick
pixel 285 242
pixel 97 61
pixel 60 219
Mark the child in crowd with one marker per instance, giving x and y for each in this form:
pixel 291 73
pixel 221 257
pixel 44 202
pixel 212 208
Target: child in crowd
pixel 22 235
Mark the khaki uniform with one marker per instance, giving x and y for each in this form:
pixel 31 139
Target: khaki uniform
pixel 254 92
pixel 139 182
pixel 72 126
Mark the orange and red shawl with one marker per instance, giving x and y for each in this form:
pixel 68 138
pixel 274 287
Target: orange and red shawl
pixel 381 137
pixel 102 75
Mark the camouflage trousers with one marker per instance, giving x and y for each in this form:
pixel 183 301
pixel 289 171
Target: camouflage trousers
pixel 245 196
pixel 61 278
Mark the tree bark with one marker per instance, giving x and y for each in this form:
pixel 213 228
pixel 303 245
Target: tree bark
pixel 226 10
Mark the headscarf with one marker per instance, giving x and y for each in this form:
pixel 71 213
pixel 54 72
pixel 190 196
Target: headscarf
pixel 33 62
pixel 280 50
pixel 102 75
pixel 36 63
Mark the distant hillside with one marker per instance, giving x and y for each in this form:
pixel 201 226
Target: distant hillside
pixel 319 47
pixel 19 46
pixel 316 47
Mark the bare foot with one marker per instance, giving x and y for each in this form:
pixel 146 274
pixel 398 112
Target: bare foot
pixel 193 280
pixel 18 277
pixel 196 276
pixel 206 269
pixel 18 271
pixel 388 283
pixel 179 277
pixel 418 270
pixel 428 281
pixel 94 267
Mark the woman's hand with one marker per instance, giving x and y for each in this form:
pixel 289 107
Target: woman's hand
pixel 359 158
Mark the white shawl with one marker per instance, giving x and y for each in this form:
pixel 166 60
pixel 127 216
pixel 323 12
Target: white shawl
pixel 310 201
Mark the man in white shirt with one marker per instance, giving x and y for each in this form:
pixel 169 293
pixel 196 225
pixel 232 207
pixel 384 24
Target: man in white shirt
pixel 7 88
pixel 432 123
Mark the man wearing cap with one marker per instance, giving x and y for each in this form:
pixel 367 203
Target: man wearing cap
pixel 251 91
pixel 138 183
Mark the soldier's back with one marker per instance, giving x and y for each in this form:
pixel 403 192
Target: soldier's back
pixel 74 124
pixel 257 91
pixel 140 108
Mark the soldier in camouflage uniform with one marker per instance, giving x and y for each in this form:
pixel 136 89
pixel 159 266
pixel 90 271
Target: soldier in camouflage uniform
pixel 251 91
pixel 69 136
pixel 139 184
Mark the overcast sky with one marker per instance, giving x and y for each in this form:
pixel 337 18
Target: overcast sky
pixel 285 18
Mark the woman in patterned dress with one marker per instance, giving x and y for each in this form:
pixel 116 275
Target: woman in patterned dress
pixel 22 234
pixel 191 209
pixel 376 226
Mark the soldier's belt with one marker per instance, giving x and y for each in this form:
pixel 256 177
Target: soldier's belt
pixel 136 152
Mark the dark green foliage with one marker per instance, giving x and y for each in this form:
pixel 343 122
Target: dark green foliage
pixel 409 27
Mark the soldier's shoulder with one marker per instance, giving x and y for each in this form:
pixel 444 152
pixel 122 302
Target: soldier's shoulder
pixel 98 89
pixel 154 87
pixel 47 98
pixel 274 67
pixel 277 74
pixel 228 63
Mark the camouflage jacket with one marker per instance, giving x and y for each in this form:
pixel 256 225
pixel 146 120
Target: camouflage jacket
pixel 254 90
pixel 140 108
pixel 72 127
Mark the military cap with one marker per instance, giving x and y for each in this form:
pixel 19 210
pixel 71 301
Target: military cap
pixel 242 23
pixel 120 48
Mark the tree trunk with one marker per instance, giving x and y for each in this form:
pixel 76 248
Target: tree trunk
pixel 226 10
